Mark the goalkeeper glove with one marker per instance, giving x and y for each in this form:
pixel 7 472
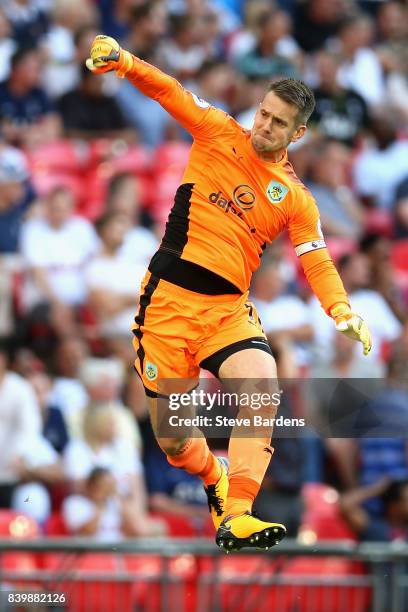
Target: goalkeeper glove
pixel 106 55
pixel 351 325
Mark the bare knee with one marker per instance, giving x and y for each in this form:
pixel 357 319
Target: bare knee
pixel 172 446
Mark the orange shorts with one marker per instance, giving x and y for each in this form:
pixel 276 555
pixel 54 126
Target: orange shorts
pixel 177 331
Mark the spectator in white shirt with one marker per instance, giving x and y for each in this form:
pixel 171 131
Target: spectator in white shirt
pixel 360 69
pixel 28 462
pixel 102 513
pixel 102 447
pixel 113 280
pixel 124 196
pixel 20 420
pixel 380 167
pixel 354 269
pixel 68 391
pixel 38 466
pixel 282 314
pixel 103 380
pixel 56 249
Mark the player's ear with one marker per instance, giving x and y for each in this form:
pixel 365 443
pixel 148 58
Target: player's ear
pixel 299 132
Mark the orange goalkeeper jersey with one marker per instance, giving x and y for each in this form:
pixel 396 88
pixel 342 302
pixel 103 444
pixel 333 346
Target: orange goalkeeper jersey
pixel 232 204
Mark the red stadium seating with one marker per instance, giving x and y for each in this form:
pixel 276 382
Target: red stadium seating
pixel 18 526
pixel 60 156
pixel 55 526
pixel 170 161
pixel 399 255
pixel 322 519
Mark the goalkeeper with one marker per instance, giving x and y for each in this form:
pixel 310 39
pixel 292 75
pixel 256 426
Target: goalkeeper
pixel 237 194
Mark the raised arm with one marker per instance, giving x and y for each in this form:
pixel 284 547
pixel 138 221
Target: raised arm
pixel 194 114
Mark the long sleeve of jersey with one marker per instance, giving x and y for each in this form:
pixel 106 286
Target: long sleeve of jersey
pixel 307 238
pixel 194 114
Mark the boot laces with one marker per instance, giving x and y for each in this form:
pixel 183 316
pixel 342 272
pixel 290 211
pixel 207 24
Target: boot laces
pixel 214 500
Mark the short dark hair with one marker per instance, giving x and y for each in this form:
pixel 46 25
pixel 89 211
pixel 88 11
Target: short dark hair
pixel 95 474
pixel 105 219
pixel 393 492
pixel 369 240
pixel 297 93
pixel 140 12
pixel 20 55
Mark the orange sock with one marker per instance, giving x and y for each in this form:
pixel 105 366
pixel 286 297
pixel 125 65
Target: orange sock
pixel 196 458
pixel 249 459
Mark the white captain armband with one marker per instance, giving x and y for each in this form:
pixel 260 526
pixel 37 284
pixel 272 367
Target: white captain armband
pixel 306 247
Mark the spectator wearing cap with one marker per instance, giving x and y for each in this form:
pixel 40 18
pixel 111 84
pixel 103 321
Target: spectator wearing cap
pixel 28 116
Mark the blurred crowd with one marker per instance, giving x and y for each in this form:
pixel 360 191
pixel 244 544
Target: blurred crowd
pixel 88 171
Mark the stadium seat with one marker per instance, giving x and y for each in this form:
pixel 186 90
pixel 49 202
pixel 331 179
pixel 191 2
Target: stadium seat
pixel 181 571
pixel 55 526
pixel 239 583
pixel 124 158
pixel 340 246
pixel 322 519
pixel 170 161
pixel 15 525
pixel 45 181
pixel 90 581
pixel 379 222
pixel 60 156
pixel 178 526
pixel 304 597
pixel 399 255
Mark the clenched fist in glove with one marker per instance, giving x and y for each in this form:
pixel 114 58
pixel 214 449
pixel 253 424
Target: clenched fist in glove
pixel 106 55
pixel 352 325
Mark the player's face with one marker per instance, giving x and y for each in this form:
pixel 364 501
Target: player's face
pixel 275 125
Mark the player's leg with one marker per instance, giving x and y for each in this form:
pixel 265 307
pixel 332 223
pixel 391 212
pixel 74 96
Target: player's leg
pixel 188 450
pixel 250 371
pixel 237 352
pixel 165 366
